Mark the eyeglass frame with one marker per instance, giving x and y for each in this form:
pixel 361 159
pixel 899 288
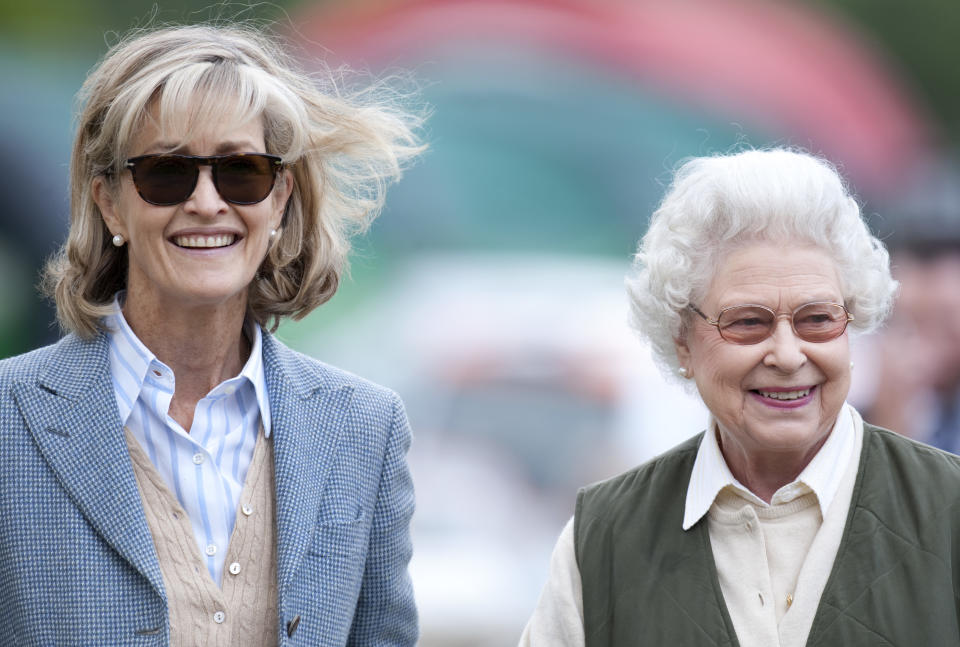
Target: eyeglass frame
pixel 776 316
pixel 213 162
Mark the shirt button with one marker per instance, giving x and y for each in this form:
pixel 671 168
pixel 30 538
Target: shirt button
pixel 234 568
pixel 229 390
pixel 211 550
pixel 247 509
pixel 219 617
pixel 197 458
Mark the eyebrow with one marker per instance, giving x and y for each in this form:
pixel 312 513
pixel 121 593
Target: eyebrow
pixel 237 146
pixel 779 307
pixel 222 147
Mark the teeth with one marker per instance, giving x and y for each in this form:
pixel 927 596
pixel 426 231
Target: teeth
pixel 784 395
pixel 221 240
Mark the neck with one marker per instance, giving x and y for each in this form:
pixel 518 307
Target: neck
pixel 764 473
pixel 202 345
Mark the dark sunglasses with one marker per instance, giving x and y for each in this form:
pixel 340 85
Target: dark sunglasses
pixel 751 324
pixel 168 179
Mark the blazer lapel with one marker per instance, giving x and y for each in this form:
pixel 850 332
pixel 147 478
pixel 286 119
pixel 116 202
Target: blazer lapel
pixel 72 415
pixel 308 414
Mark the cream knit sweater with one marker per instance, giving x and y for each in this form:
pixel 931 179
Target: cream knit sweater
pixel 243 610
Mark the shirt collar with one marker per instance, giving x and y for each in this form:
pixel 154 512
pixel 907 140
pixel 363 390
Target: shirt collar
pixel 822 475
pixel 130 360
pixel 253 371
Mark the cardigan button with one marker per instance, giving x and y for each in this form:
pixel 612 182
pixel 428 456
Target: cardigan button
pixel 292 626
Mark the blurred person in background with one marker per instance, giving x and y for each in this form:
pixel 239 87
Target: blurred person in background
pixel 913 384
pixel 171 472
pixel 790 521
pixel 917 372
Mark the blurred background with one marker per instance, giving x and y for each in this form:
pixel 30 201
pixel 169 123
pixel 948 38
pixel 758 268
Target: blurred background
pixel 490 293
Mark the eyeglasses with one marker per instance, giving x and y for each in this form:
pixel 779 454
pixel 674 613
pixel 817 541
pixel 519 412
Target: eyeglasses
pixel 751 324
pixel 168 179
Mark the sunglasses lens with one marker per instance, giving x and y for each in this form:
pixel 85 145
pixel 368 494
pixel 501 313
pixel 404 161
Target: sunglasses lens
pixel 819 322
pixel 245 179
pixel 746 324
pixel 164 179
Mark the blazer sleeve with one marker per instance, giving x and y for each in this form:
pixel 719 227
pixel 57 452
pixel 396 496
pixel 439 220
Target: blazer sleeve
pixel 386 613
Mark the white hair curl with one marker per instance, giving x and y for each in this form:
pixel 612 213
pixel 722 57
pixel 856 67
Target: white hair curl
pixel 717 204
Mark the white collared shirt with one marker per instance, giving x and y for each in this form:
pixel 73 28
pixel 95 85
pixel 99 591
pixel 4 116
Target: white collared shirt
pixel 822 474
pixel 557 620
pixel 206 467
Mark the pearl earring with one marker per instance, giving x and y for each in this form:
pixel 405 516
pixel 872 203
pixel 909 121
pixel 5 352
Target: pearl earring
pixel 851 366
pixel 273 234
pixel 118 240
pixel 682 371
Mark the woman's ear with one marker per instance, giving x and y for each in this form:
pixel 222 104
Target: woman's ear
pixel 281 196
pixel 105 199
pixel 683 355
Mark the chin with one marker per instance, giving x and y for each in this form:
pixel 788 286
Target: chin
pixel 793 437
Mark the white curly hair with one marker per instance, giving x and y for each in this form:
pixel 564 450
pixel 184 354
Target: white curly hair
pixel 720 203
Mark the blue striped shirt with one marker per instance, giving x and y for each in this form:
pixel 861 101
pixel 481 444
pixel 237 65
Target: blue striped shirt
pixel 206 467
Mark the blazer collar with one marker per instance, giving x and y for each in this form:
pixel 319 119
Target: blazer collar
pixel 302 375
pixel 309 403
pixel 71 413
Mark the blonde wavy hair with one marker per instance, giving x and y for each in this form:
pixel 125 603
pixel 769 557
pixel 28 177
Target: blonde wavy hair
pixel 343 150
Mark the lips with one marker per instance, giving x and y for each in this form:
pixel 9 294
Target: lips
pixel 785 395
pixel 205 242
pixel 784 398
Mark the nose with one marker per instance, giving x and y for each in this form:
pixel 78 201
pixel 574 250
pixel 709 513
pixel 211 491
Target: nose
pixel 786 349
pixel 205 199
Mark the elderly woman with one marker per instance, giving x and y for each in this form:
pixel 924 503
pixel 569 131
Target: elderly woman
pixel 789 521
pixel 172 473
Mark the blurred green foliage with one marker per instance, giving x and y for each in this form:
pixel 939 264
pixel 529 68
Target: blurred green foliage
pixel 920 40
pixel 87 27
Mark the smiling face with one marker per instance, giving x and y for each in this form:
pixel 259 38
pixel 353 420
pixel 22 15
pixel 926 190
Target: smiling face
pixel 779 397
pixel 204 251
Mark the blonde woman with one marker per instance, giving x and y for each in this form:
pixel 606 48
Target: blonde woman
pixel 172 473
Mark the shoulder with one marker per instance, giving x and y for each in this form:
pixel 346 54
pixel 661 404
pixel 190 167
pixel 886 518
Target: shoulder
pixel 309 374
pixel 24 367
pixel 892 460
pixel 66 368
pixel 665 465
pixel 907 495
pixel 630 505
pixel 28 367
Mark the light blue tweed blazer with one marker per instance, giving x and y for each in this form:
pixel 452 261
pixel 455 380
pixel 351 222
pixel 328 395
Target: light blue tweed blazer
pixel 77 562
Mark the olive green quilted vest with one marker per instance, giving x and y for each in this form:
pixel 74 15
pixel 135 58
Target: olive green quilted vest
pixel 894 582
